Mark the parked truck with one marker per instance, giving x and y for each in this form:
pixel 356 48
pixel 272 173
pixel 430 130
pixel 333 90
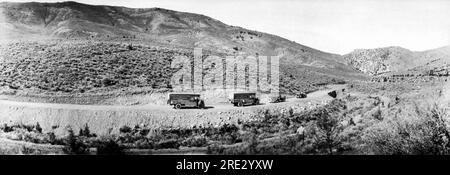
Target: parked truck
pixel 180 100
pixel 241 99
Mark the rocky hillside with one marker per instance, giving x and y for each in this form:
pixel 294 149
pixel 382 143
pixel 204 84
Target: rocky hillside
pixel 398 60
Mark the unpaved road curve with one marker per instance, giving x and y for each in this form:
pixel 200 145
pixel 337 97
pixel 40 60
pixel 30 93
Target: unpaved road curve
pixel 103 119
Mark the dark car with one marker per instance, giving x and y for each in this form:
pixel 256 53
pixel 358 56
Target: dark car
pixel 278 99
pixel 185 100
pixel 241 99
pixel 301 95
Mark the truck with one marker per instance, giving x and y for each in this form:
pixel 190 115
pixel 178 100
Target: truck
pixel 241 99
pixel 180 100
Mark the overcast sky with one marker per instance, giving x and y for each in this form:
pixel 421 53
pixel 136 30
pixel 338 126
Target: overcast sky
pixel 336 26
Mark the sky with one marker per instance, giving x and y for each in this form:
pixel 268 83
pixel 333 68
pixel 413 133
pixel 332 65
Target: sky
pixel 336 26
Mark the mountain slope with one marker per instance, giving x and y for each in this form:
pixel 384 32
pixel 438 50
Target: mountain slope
pixel 396 59
pixel 71 19
pixel 301 65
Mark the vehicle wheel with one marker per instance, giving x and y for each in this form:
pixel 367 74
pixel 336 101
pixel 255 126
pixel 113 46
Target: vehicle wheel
pixel 178 106
pixel 201 105
pixel 240 104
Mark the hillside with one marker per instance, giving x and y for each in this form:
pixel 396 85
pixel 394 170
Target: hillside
pixel 71 28
pixel 398 60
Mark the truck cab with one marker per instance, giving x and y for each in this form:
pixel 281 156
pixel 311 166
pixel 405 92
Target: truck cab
pixel 241 99
pixel 180 100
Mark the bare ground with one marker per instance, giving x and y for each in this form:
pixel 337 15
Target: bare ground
pixel 103 119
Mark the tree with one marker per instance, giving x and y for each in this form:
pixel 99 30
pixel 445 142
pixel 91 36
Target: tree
pixel 85 132
pixel 73 144
pixel 325 130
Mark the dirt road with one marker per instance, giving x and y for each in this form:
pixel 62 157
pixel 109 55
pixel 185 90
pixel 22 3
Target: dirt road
pixel 103 119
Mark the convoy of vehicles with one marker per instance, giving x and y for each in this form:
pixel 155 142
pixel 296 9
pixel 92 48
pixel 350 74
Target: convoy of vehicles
pixel 181 100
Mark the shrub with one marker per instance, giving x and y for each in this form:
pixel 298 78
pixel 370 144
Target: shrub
pixel 53 140
pixel 86 132
pixel 416 131
pixel 109 147
pixel 170 143
pixel 7 128
pixel 38 128
pixel 144 144
pixel 325 131
pixel 125 129
pixel 74 145
pixel 26 150
pixel 252 142
pixel 196 141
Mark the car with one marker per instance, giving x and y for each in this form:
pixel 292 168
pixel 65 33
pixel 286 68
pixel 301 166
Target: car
pixel 333 94
pixel 242 99
pixel 278 99
pixel 301 95
pixel 180 100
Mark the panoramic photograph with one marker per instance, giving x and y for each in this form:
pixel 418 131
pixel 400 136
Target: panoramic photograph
pixel 235 77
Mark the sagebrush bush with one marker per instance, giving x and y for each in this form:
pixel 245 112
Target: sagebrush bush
pixel 421 130
pixel 124 129
pixel 74 145
pixel 109 146
pixel 38 127
pixel 86 132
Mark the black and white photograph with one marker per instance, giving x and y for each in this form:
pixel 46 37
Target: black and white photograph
pixel 235 77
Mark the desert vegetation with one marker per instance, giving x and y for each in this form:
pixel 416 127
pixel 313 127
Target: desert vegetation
pixel 342 128
pixel 349 125
pixel 85 67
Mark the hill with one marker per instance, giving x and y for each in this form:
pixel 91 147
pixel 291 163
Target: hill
pixel 53 31
pixel 397 60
